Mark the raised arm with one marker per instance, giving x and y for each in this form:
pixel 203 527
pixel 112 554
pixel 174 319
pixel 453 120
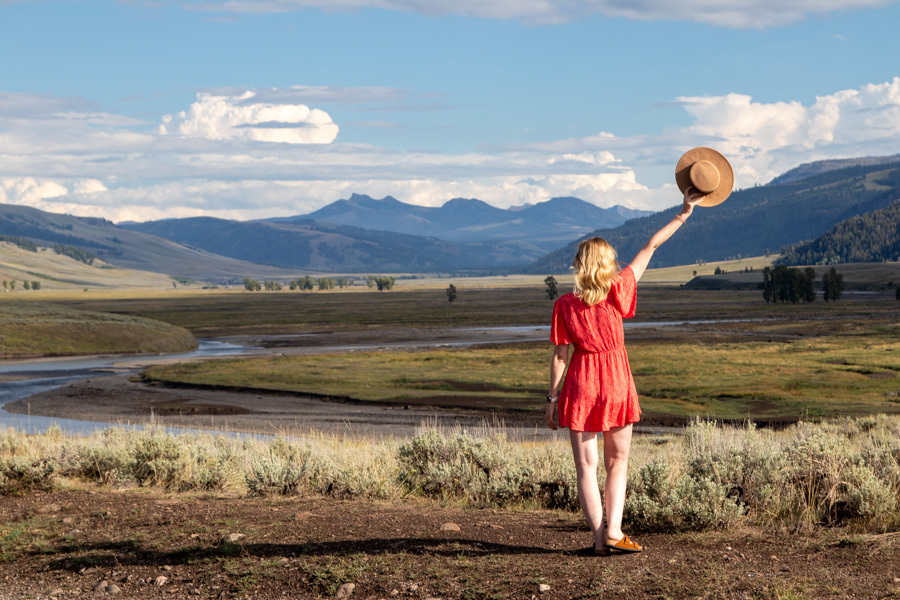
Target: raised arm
pixel 642 259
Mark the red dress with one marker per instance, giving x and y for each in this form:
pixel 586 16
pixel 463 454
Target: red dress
pixel 598 393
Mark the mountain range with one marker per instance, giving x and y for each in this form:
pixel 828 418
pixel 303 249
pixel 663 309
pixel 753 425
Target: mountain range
pixel 809 212
pixel 753 221
pixel 302 244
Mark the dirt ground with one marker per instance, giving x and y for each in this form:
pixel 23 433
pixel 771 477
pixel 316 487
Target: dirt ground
pixel 67 543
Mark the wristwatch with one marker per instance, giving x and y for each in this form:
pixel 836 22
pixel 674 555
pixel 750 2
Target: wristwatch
pixel 551 398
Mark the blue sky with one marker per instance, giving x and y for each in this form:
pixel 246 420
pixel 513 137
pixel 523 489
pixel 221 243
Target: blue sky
pixel 144 110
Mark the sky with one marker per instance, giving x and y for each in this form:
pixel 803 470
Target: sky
pixel 148 109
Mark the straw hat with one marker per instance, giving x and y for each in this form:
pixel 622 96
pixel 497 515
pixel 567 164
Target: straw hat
pixel 706 171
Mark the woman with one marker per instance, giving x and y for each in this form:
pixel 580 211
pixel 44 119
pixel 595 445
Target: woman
pixel 599 393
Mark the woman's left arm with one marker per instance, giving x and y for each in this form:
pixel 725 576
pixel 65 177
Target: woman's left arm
pixel 642 259
pixel 557 369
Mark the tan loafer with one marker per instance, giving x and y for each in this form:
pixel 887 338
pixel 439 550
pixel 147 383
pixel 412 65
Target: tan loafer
pixel 624 545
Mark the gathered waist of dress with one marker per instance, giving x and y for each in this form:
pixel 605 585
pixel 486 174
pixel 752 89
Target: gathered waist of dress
pixel 580 350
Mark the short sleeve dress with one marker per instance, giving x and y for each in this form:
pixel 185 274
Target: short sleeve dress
pixel 598 393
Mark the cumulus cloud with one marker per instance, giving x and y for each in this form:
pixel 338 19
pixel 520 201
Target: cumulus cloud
pixel 768 139
pixel 65 156
pixel 243 117
pixel 725 13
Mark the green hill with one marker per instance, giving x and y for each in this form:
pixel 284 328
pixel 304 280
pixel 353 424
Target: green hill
pixel 753 221
pixel 871 237
pixel 32 329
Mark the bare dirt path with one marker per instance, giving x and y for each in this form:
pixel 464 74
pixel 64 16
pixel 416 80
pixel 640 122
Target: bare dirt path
pixel 152 545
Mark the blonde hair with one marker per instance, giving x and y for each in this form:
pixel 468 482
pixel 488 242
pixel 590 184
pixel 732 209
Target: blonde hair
pixel 595 266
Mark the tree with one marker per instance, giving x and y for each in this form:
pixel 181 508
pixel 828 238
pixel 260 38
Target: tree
pixel 833 284
pixel 451 293
pixel 552 291
pixel 35 285
pixel 809 284
pixel 251 285
pixel 5 284
pixel 26 284
pixel 12 285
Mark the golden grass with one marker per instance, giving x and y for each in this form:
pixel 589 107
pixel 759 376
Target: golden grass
pixel 60 273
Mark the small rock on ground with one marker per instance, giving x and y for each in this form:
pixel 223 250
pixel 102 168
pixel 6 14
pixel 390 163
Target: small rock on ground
pixel 161 580
pixel 344 591
pixel 543 588
pixel 450 527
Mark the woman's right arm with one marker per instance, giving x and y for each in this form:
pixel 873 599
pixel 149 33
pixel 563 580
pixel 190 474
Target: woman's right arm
pixel 642 259
pixel 557 369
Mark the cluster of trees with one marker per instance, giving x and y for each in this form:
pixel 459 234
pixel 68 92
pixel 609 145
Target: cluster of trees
pixel 308 283
pixel 28 285
pixel 24 244
pixel 789 284
pixel 76 253
pixel 871 237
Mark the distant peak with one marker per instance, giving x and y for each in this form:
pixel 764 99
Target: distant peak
pixel 366 198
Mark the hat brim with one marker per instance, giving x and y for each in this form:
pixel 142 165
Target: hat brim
pixel 726 174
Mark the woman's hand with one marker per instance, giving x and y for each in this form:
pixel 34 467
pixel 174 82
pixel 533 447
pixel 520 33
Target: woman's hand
pixel 550 416
pixel 691 199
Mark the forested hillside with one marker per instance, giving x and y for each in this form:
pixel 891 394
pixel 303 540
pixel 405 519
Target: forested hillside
pixel 872 237
pixel 753 221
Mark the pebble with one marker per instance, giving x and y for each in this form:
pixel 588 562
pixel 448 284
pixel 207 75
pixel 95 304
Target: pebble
pixel 345 591
pixel 233 537
pixel 450 527
pixel 113 589
pixel 88 570
pixel 167 568
pixel 56 592
pixel 161 580
pixel 413 587
pixel 68 520
pixel 395 592
pixel 543 588
pixel 101 587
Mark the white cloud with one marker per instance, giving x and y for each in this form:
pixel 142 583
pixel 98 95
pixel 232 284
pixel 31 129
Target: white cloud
pixel 242 117
pixel 56 157
pixel 725 13
pixel 765 140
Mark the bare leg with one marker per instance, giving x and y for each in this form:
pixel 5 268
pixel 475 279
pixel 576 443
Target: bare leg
pixel 616 447
pixel 585 452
